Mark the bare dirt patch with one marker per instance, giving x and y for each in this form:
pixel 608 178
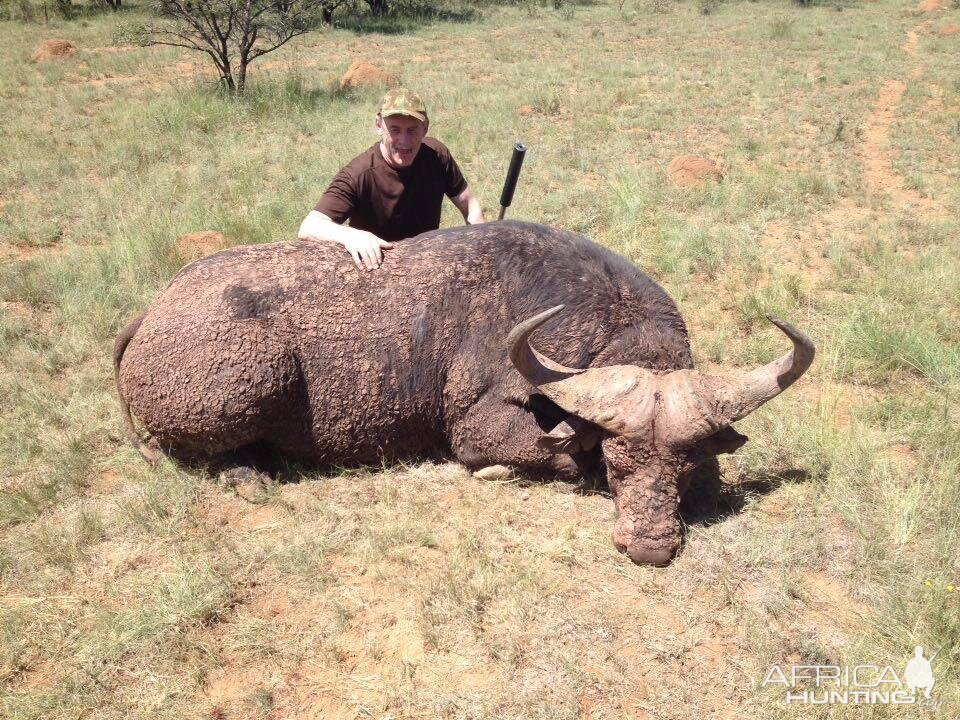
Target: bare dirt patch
pixel 111 79
pixel 691 170
pixel 53 49
pixel 903 455
pixel 154 79
pixel 101 79
pixel 22 253
pixel 196 245
pixel 232 690
pixel 831 605
pixel 237 515
pixel 805 247
pixel 929 6
pixel 19 310
pixel 913 37
pixel 39 676
pixel 38 318
pixel 363 74
pixel 107 482
pixel 948 30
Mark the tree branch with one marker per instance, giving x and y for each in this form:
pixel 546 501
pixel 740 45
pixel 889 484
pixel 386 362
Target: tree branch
pixel 279 43
pixel 233 31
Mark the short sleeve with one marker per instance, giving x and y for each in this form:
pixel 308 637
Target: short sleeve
pixel 454 182
pixel 340 199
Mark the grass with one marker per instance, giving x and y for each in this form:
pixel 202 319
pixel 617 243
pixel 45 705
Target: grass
pixel 127 591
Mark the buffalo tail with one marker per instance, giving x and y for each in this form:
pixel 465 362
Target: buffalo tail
pixel 119 347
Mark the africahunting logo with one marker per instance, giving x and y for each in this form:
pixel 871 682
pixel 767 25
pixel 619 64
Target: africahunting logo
pixel 858 684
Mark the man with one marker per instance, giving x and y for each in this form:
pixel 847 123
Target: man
pixel 394 190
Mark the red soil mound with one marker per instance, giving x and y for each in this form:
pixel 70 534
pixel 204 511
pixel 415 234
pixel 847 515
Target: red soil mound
pixel 687 170
pixel 363 74
pixel 52 49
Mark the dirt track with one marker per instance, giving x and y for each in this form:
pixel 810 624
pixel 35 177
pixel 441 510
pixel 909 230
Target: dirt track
pixel 877 155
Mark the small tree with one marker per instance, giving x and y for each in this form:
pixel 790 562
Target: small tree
pixel 233 33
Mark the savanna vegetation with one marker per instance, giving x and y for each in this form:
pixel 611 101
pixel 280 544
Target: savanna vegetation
pixel 421 591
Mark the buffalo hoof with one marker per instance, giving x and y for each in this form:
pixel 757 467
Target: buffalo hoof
pixel 493 472
pixel 247 483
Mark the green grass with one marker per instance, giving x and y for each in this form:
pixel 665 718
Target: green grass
pixel 133 592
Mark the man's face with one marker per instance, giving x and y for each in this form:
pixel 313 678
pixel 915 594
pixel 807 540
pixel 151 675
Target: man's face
pixel 400 137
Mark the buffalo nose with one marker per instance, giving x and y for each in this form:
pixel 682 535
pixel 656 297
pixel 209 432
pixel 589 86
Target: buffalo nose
pixel 649 556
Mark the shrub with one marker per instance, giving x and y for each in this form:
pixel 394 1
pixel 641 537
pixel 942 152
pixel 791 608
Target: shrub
pixel 232 33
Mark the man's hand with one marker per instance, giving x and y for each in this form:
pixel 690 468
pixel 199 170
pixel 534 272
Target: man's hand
pixel 365 247
pixel 469 207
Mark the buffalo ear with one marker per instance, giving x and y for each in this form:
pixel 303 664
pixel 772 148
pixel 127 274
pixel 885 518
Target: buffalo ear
pixel 570 436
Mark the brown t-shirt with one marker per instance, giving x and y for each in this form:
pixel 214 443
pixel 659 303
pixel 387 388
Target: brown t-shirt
pixel 394 204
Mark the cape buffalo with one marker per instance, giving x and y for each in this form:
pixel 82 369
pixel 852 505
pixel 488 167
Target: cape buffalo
pixel 288 345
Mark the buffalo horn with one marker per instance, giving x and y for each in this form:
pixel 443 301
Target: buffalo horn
pixel 593 394
pixel 743 393
pixel 536 368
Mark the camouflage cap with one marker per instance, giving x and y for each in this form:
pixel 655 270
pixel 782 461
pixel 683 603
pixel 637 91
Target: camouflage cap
pixel 400 101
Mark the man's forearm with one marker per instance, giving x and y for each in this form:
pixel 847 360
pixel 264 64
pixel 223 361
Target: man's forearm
pixel 474 214
pixel 469 207
pixel 365 247
pixel 317 226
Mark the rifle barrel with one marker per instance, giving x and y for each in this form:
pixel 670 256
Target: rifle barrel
pixel 513 174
